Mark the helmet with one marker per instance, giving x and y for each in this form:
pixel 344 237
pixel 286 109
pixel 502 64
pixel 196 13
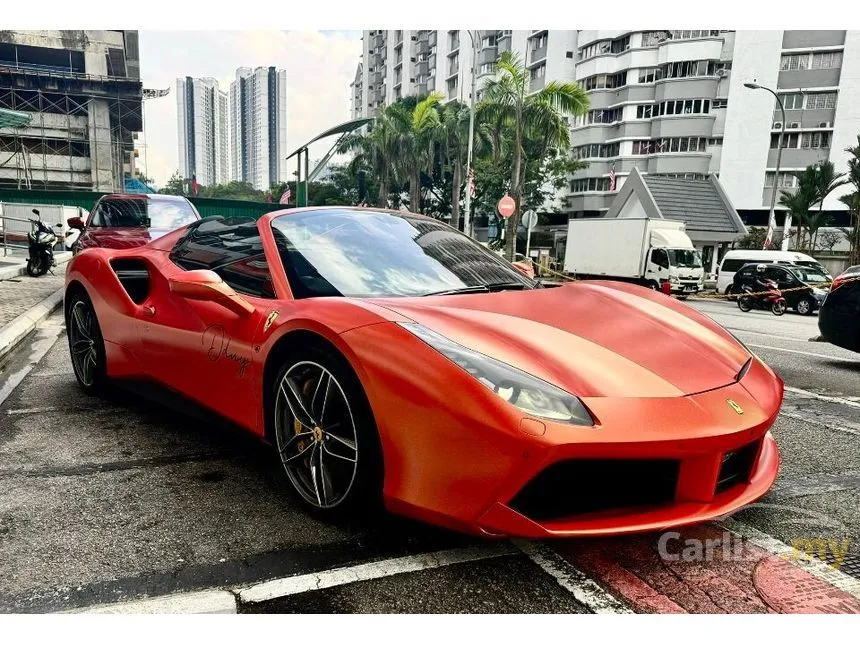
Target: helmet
pixel 760 268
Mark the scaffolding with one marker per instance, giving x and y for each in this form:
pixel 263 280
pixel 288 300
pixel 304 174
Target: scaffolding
pixel 82 132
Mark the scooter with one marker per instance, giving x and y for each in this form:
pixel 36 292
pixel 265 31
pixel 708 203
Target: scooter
pixel 772 300
pixel 41 240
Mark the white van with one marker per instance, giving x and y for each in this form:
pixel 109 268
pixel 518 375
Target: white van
pixel 735 259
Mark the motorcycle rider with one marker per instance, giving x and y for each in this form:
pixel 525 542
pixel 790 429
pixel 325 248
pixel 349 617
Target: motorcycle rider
pixel 762 283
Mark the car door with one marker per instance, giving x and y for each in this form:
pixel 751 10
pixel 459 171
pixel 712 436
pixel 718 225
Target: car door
pixel 200 348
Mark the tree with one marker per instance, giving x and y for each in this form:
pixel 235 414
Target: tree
pixel 798 204
pixel 826 181
pixel 828 240
pixel 454 135
pixel 417 131
pixel 375 151
pixel 754 239
pixel 852 201
pixel 175 185
pixel 508 101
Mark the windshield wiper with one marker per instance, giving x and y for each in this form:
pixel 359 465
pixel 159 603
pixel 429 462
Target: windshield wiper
pixel 479 288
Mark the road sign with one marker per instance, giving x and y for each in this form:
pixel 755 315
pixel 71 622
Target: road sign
pixel 506 206
pixel 530 219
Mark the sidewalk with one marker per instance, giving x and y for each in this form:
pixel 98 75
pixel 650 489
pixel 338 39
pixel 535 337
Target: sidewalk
pixel 26 301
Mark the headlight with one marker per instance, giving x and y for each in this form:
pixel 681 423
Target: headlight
pixel 528 393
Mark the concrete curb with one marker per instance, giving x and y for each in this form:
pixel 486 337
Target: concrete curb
pixel 213 601
pixel 16 270
pixel 16 331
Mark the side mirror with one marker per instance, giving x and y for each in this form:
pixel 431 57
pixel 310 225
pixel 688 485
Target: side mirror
pixel 36 213
pixel 76 222
pixel 208 286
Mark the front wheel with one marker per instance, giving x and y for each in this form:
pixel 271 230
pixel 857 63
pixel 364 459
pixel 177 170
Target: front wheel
pixel 778 307
pixel 805 307
pixel 745 303
pixel 325 434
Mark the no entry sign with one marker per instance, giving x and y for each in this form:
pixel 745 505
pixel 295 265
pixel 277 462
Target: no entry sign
pixel 506 206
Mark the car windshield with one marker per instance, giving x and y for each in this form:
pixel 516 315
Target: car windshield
pixel 359 253
pixel 145 213
pixel 809 274
pixel 687 258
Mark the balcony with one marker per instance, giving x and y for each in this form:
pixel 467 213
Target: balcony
pixel 422 67
pixel 488 55
pixel 537 55
pixel 431 39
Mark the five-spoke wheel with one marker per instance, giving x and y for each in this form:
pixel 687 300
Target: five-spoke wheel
pixel 85 343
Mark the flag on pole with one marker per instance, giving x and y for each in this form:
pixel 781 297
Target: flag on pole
pixel 194 186
pixel 612 178
pixel 285 198
pixel 472 190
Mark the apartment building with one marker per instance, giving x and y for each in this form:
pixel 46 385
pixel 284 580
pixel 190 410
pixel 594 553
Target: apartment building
pixel 202 115
pixel 673 103
pixel 397 63
pixel 257 126
pixel 82 92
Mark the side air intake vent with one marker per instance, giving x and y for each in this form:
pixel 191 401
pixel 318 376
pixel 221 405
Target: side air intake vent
pixel 134 277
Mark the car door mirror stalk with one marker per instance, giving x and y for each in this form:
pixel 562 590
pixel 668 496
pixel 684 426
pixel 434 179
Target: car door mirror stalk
pixel 205 285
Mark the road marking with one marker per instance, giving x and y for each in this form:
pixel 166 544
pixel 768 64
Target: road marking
pixel 583 588
pixel 793 339
pixel 816 567
pixel 797 351
pixel 213 601
pixel 47 408
pixel 823 397
pixel 370 571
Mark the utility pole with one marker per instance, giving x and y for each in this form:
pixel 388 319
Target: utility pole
pixel 771 221
pixel 467 215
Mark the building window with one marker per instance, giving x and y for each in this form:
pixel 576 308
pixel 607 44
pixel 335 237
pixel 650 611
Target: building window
pixel 789 140
pixel 786 180
pixel 681 107
pixel 794 61
pixel 603 116
pixel 821 101
pixel 684 69
pixel 815 140
pixel 568 54
pixel 679 34
pixel 597 150
pixel 538 43
pixel 620 45
pixel 826 60
pixel 453 40
pixel 673 144
pixel 538 72
pixel 792 101
pixel 649 75
pixel 589 184
pixel 605 81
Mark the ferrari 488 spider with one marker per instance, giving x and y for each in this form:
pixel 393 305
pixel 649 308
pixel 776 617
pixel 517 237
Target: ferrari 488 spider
pixel 389 358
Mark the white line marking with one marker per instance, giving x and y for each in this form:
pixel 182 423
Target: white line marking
pixel 369 571
pixel 213 601
pixel 583 588
pixel 794 339
pixel 812 565
pixel 797 351
pixel 47 408
pixel 819 422
pixel 823 397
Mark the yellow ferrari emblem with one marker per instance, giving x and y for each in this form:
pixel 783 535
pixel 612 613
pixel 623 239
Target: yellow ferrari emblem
pixel 271 318
pixel 734 406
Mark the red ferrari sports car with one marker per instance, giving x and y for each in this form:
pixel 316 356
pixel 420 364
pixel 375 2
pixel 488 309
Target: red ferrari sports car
pixel 387 357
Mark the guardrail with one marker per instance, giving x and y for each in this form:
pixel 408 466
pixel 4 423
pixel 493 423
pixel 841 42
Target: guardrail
pixel 19 228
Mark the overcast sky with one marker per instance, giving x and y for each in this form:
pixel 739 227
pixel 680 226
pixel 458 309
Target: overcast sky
pixel 320 66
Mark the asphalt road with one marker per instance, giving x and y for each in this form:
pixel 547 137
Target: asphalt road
pixel 111 500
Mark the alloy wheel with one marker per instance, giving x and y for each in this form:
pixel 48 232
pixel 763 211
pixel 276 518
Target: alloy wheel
pixel 82 337
pixel 316 435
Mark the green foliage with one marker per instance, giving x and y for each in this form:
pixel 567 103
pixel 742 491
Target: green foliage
pixel 852 202
pixel 175 185
pixel 754 239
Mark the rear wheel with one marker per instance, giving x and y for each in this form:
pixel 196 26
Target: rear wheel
pixel 86 345
pixel 325 435
pixel 805 306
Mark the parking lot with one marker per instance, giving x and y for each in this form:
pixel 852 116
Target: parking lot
pixel 117 500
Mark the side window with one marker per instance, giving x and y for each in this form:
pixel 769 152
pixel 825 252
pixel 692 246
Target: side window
pixel 660 257
pixel 97 219
pixel 233 251
pixel 733 265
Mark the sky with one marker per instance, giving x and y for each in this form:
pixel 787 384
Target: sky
pixel 320 66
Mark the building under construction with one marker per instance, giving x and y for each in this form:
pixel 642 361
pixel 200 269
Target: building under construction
pixel 82 93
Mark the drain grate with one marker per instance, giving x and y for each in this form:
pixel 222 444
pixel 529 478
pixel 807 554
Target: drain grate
pixel 850 564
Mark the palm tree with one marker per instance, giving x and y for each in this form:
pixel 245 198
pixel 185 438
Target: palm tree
pixel 798 204
pixel 375 149
pixel 454 136
pixel 416 130
pixel 826 181
pixel 507 100
pixel 852 201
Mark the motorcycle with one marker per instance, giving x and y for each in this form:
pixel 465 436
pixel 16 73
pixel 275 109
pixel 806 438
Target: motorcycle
pixel 41 240
pixel 772 299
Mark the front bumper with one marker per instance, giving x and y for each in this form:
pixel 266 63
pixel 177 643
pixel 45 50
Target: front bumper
pixel 685 288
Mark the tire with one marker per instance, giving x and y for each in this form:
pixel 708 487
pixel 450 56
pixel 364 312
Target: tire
pixel 778 308
pixel 744 304
pixel 36 267
pixel 335 465
pixel 653 285
pixel 730 292
pixel 86 345
pixel 805 306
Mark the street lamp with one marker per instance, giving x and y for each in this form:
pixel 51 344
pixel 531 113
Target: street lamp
pixel 771 221
pixel 467 219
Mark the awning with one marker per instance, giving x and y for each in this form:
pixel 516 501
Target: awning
pixel 13 119
pixel 343 128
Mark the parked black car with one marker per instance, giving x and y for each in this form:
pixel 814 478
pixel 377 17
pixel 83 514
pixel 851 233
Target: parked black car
pixel 839 318
pixel 805 296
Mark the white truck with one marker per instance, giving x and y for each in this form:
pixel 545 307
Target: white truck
pixel 639 250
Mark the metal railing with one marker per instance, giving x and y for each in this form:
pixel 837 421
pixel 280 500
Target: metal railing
pixel 14 230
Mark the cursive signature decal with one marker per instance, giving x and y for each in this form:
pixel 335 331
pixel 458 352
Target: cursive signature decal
pixel 217 346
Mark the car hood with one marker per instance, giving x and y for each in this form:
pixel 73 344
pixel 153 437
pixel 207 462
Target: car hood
pixel 590 338
pixel 124 237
